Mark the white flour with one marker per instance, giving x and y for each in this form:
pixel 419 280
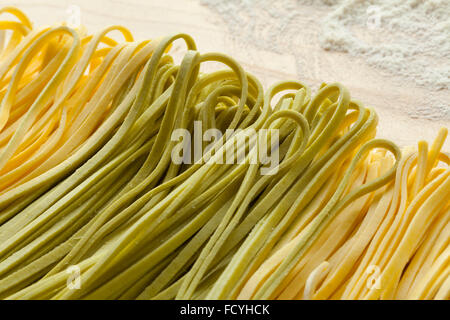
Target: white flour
pixel 405 39
pixel 413 38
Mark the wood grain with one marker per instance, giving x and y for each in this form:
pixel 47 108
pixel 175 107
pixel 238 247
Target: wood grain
pixel 148 19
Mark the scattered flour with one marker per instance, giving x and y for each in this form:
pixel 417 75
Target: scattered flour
pixel 405 39
pixel 413 38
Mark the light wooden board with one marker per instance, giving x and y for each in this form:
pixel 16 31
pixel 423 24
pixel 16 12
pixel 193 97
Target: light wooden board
pixel 148 19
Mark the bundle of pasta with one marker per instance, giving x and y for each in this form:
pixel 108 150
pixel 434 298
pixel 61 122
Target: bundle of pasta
pixel 398 248
pixel 101 169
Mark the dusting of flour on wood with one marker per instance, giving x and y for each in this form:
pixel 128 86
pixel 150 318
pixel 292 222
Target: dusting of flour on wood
pixel 405 40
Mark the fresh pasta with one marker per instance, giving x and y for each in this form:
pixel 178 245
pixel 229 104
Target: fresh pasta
pixel 157 180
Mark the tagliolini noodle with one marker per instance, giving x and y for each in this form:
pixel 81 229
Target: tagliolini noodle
pixel 88 138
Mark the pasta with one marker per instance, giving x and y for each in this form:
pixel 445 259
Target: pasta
pixel 284 194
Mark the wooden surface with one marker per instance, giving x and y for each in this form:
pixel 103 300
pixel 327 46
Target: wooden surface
pixel 391 98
